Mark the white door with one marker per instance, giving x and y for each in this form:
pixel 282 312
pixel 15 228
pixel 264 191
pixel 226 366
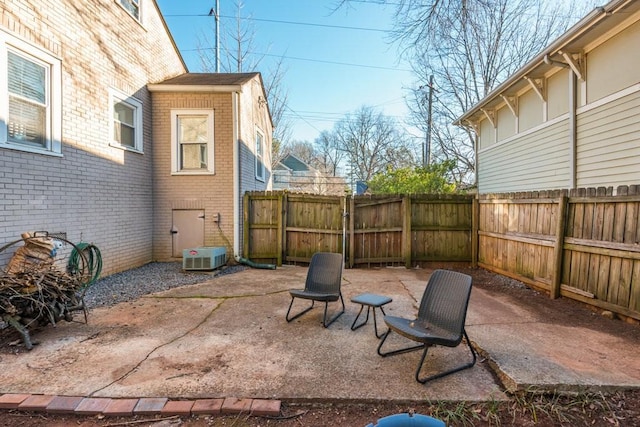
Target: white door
pixel 187 230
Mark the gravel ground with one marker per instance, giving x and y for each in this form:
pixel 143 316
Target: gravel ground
pixel 150 278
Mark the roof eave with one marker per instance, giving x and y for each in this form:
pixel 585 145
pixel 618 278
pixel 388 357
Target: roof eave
pixel 194 88
pixel 573 33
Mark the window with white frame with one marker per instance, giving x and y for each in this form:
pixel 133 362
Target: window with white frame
pixel 259 156
pixel 192 149
pixel 30 98
pixel 126 121
pixel 131 6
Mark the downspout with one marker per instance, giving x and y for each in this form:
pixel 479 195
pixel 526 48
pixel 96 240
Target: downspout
pixel 475 160
pixel 573 129
pixel 237 173
pixel 236 176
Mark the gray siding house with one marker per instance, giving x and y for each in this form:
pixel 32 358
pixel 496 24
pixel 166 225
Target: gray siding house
pixel 570 118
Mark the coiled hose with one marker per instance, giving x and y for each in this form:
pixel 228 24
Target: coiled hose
pixel 91 271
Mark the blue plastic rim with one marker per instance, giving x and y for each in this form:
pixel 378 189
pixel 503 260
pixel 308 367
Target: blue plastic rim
pixel 408 420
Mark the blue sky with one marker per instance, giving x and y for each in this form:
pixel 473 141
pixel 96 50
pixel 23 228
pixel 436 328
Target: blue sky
pixel 322 88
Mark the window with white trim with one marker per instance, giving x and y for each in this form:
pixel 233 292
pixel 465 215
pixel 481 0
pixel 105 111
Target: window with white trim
pixel 259 156
pixel 132 6
pixel 126 122
pixel 192 144
pixel 30 98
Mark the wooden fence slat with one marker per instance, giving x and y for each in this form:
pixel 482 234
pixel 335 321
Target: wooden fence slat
pixel 558 252
pixel 352 242
pixel 475 225
pixel 634 297
pixel 406 231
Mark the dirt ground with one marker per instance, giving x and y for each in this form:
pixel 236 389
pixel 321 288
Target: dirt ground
pixel 617 409
pixel 620 408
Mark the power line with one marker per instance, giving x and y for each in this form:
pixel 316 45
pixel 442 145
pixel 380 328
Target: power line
pixel 320 119
pixel 336 62
pixel 277 21
pixel 378 2
pixel 322 61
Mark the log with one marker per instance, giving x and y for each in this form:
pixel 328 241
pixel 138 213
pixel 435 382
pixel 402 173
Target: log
pixel 38 295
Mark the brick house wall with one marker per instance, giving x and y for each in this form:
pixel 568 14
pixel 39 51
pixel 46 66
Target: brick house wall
pixel 212 193
pixel 92 191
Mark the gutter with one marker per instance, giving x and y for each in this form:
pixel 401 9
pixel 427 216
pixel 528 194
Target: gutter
pixel 573 33
pixel 573 129
pixel 236 175
pixel 160 87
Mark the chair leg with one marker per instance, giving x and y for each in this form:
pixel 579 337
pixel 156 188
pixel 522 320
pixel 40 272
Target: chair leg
pixel 451 371
pixel 375 322
pixel 289 319
pixel 394 352
pixel 354 326
pixel 324 319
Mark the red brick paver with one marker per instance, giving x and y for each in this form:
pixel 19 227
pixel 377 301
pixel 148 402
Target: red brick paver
pixel 177 407
pixel 12 400
pixel 120 407
pixel 150 405
pixel 92 406
pixel 64 404
pixel 207 406
pixel 36 402
pixel 233 405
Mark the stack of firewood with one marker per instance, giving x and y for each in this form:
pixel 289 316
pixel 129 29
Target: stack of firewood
pixel 36 293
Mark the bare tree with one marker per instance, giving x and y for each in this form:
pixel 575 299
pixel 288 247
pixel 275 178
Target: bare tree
pixel 278 98
pixel 238 50
pixel 371 142
pixel 330 156
pixel 469 46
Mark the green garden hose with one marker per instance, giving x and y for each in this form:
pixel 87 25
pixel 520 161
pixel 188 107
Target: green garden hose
pixel 93 265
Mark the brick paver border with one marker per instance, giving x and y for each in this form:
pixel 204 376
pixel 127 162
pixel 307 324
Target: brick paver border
pixel 79 405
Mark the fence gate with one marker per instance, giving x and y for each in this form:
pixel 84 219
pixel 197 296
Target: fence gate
pixel 369 230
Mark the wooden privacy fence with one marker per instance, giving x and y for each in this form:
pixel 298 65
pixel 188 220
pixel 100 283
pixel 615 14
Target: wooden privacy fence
pixel 382 230
pixel 585 247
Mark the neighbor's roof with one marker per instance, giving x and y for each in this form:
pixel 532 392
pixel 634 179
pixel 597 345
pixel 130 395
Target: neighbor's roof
pixel 210 82
pixel 294 163
pixel 219 82
pixel 590 28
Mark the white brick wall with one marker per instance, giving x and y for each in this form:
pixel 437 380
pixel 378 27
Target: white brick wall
pixel 94 192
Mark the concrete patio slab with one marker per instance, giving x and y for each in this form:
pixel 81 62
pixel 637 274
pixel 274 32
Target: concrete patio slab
pixel 228 337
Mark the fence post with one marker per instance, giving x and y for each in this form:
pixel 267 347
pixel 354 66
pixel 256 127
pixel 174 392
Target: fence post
pixel 352 234
pixel 406 230
pixel 245 228
pixel 556 280
pixel 280 231
pixel 475 229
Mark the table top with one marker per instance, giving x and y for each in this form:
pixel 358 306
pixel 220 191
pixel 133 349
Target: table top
pixel 371 299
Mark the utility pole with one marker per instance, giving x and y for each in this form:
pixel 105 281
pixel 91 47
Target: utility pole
pixel 427 156
pixel 426 152
pixel 215 12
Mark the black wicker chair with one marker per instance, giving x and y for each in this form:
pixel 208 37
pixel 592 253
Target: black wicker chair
pixel 440 320
pixel 323 284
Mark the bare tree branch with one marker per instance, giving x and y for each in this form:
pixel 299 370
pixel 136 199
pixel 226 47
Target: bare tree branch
pixel 469 46
pixel 238 46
